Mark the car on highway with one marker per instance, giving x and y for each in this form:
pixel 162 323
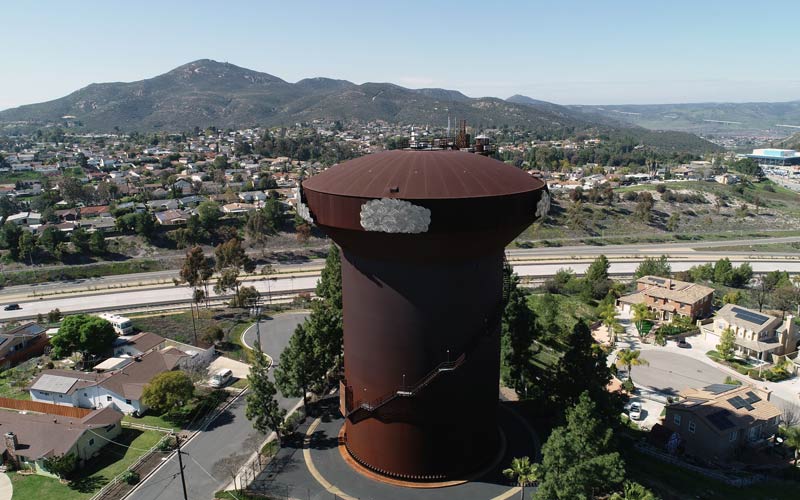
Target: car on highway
pixel 635 411
pixel 12 307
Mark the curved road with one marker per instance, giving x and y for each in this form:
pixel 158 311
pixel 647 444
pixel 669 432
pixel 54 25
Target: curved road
pixel 228 434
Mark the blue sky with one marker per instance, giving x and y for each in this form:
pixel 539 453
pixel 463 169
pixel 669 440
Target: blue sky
pixel 569 52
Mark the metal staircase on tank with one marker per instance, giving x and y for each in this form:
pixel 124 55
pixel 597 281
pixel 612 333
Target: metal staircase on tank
pixel 365 409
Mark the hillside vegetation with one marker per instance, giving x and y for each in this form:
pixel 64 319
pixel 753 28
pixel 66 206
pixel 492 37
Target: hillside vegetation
pixel 208 93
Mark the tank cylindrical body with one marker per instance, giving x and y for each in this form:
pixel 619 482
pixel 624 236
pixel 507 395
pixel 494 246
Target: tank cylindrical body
pixel 422 237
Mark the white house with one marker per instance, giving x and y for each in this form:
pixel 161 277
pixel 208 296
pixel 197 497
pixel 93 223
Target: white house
pixel 120 389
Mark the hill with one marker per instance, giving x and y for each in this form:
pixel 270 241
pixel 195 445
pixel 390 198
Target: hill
pixel 205 92
pixel 768 118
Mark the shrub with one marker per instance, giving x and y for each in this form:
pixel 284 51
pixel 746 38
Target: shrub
pixel 732 380
pixel 628 386
pixel 131 477
pixel 753 374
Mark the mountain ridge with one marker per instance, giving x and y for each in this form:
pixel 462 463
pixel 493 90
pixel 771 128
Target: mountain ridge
pixel 206 92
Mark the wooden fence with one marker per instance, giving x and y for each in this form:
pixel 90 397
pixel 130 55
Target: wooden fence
pixel 48 408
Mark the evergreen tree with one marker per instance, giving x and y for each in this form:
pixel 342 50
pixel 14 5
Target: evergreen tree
pixel 262 408
pixel 578 460
pixel 168 391
pixel 654 267
pixel 298 370
pixel 329 286
pixel 723 272
pixel 517 335
pixel 583 368
pixel 596 281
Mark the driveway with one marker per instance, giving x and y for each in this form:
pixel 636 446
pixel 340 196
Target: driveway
pixel 240 370
pixel 231 433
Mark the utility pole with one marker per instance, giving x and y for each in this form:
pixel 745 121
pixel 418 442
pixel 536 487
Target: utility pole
pixel 180 465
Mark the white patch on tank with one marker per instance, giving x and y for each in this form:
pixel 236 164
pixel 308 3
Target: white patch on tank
pixel 543 207
pixel 302 209
pixel 389 215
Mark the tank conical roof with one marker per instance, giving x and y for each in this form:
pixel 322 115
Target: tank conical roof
pixel 423 175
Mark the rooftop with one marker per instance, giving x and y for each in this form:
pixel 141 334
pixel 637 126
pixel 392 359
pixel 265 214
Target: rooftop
pixel 727 407
pixel 413 175
pixel 41 435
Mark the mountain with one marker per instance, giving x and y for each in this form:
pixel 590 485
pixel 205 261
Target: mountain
pixel 205 92
pixel 767 118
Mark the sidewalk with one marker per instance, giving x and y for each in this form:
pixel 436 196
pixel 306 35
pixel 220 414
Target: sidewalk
pixel 6 489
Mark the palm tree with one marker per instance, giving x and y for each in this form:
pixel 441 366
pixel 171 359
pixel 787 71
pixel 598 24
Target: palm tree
pixel 791 436
pixel 608 315
pixel 629 358
pixel 640 313
pixel 524 472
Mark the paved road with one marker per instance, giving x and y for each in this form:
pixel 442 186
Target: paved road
pixel 275 334
pixel 670 373
pixel 127 299
pixel 227 435
pixel 120 300
pixel 584 251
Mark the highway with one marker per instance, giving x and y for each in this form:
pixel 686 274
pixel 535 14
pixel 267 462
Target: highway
pixel 148 290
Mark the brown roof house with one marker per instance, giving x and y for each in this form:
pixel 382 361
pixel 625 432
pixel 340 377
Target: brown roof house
pixel 21 343
pixel 714 422
pixel 30 438
pixel 669 298
pixel 120 389
pixel 758 335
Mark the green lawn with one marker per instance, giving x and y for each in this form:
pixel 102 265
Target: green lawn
pixel 154 420
pixel 571 309
pixel 112 461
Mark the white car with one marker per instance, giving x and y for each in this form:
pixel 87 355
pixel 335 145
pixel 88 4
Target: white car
pixel 635 411
pixel 220 378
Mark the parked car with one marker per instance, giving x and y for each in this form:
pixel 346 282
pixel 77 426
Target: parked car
pixel 635 411
pixel 12 307
pixel 683 344
pixel 220 378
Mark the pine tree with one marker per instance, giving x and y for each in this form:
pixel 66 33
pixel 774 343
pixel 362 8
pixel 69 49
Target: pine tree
pixel 578 460
pixel 517 335
pixel 298 370
pixel 262 408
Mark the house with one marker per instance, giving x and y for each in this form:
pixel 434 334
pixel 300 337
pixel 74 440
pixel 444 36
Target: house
pixel 21 343
pixel 238 208
pixel 163 204
pixel 669 298
pixel 758 335
pixel 142 343
pixel 714 422
pixel 253 196
pixel 138 344
pixel 98 211
pixel 25 219
pixel 172 217
pixel 120 389
pixel 30 438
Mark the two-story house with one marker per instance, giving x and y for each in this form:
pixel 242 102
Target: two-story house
pixel 21 343
pixel 713 422
pixel 758 335
pixel 669 298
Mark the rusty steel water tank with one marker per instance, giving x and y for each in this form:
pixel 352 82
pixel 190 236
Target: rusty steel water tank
pixel 422 235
